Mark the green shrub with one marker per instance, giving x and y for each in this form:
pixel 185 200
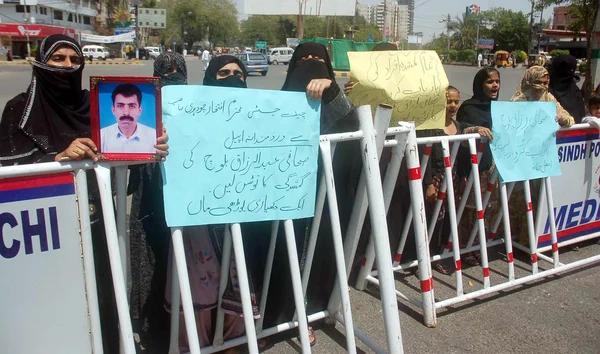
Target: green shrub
pixel 520 56
pixel 582 67
pixel 453 55
pixel 466 55
pixel 557 52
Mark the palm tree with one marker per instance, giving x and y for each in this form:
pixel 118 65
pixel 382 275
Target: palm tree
pixel 465 32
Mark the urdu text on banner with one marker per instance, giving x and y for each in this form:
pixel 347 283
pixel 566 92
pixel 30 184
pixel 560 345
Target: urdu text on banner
pixel 239 155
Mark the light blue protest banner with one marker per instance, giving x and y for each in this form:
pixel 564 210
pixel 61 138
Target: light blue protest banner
pixel 239 155
pixel 524 145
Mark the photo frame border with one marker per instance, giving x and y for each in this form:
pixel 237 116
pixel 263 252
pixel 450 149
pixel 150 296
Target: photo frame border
pixel 95 114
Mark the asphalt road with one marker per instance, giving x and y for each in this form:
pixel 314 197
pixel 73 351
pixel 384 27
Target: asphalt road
pixel 559 315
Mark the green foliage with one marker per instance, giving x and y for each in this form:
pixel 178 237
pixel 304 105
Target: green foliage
pixel 466 55
pixel 583 67
pixel 453 55
pixel 557 52
pixel 259 28
pixel 520 56
pixel 509 29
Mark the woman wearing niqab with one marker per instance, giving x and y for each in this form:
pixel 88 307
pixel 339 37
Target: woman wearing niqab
pixel 310 71
pixel 564 87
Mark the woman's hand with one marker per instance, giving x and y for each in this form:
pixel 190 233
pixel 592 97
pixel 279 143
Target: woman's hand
pixel 316 87
pixel 563 121
pixel 348 87
pixel 162 148
pixel 79 149
pixel 484 133
pixel 431 193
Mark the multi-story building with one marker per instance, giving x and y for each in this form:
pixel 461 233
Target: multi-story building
pixel 396 16
pixel 561 19
pixel 33 20
pixel 411 14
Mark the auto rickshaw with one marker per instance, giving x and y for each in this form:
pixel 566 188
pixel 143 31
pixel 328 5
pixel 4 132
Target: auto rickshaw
pixel 502 59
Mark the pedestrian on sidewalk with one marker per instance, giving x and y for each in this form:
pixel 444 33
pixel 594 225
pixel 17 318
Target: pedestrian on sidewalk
pixel 479 60
pixel 205 58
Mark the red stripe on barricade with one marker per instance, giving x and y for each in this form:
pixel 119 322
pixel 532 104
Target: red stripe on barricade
pixel 457 265
pixel 479 214
pixel 486 272
pixel 414 173
pixel 449 245
pixel 492 235
pixel 9 184
pixel 578 132
pixel 529 206
pixel 474 159
pixel 447 161
pixel 441 196
pixel 511 258
pixel 364 261
pixel 427 150
pixel 397 257
pixel 534 258
pixel 481 147
pixel 490 187
pixel 426 285
pixel 555 247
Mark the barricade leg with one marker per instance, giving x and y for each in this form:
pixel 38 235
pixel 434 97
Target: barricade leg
pixel 175 305
pixel 449 162
pixel 553 235
pixel 507 234
pixel 359 209
pixel 290 241
pixel 88 260
pixel 380 232
pixel 488 193
pixel 242 273
pixel 420 230
pixel 336 231
pixel 479 206
pixel 185 291
pixel 266 277
pixel 103 175
pixel 530 228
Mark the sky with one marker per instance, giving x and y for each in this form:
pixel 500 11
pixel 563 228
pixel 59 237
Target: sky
pixel 429 12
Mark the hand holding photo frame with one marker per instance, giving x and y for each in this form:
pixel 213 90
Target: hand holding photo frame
pixel 126 116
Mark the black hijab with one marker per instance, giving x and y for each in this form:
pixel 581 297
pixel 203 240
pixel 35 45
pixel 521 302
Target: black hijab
pixel 57 109
pixel 563 86
pixel 477 109
pixel 301 72
pixel 216 64
pixel 163 68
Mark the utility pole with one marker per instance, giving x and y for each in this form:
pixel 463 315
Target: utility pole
pixel 27 29
pixel 529 37
pixel 300 24
pixel 447 21
pixel 136 5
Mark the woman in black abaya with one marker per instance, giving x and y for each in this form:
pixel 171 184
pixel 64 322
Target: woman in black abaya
pixel 564 87
pixel 310 71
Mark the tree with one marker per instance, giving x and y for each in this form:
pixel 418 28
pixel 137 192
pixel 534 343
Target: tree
pixel 465 32
pixel 585 12
pixel 258 28
pixel 509 29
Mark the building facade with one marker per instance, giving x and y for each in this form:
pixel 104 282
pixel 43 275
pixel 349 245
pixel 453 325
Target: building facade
pixel 23 20
pixel 396 16
pixel 561 19
pixel 411 14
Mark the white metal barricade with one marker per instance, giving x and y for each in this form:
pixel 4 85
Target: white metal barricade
pixel 339 308
pixel 456 209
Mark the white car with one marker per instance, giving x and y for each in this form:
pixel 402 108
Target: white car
pixel 153 52
pixel 96 52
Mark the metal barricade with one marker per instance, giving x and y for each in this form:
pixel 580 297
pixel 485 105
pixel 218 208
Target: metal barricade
pixel 456 209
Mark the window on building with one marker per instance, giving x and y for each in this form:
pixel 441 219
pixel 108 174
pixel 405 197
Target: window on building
pixel 21 9
pixel 43 10
pixel 87 20
pixel 58 15
pixel 70 18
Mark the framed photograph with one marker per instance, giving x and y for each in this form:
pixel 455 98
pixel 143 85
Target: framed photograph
pixel 125 116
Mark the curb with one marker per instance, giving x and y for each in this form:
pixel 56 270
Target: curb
pixel 21 62
pixel 342 73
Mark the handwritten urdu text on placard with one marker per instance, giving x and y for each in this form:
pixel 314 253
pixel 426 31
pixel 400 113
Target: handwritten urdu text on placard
pixel 413 82
pixel 524 145
pixel 239 155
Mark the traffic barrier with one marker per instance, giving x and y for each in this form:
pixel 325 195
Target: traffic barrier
pixel 339 308
pixel 544 229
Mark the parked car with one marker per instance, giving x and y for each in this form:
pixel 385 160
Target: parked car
pixel 280 55
pixel 255 62
pixel 95 52
pixel 153 52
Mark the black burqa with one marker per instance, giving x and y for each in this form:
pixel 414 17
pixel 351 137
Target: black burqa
pixel 280 303
pixel 476 111
pixel 38 124
pixel 564 88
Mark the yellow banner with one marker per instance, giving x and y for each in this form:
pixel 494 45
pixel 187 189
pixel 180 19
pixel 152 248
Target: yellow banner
pixel 413 82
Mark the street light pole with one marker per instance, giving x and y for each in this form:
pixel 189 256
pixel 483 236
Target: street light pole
pixel 529 37
pixel 447 21
pixel 27 28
